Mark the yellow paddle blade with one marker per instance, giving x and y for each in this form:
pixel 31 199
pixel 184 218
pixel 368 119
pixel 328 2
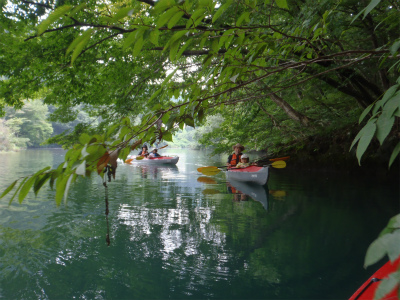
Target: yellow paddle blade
pixel 209 171
pixel 280 164
pixel 128 161
pixel 210 191
pixel 139 157
pixel 207 180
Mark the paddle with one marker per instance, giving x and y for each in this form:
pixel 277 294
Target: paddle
pixel 280 164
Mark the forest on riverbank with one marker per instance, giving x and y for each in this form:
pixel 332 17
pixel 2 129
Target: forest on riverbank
pixel 283 77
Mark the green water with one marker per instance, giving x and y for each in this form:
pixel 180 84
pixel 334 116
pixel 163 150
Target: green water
pixel 175 234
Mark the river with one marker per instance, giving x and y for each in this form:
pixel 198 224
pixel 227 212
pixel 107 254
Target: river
pixel 175 233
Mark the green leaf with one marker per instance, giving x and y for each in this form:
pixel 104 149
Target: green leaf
pixel 40 181
pixel 25 189
pixel 162 5
pixel 196 17
pixel 122 13
pixel 282 4
pixel 60 187
pixel 189 122
pixel 365 139
pixel 183 48
pixel 28 184
pixel 389 93
pixel 138 46
pixel 175 19
pixel 387 285
pixel 84 138
pixel 9 188
pixel 221 10
pixel 173 51
pixel 169 77
pixel 396 45
pixel 129 40
pixel 166 16
pixel 17 190
pixel 384 125
pixel 376 251
pixel 54 16
pixel 79 47
pixel 371 6
pixel 395 152
pixel 244 16
pixel 77 40
pixel 77 9
pixel 167 136
pixel 154 34
pixel 364 113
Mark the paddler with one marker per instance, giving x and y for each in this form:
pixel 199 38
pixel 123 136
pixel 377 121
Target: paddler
pixel 234 158
pixel 144 152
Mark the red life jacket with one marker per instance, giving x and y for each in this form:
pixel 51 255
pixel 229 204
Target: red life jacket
pixel 235 160
pixel 143 153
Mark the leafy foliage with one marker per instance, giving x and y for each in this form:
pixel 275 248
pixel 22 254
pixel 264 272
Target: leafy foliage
pixel 161 66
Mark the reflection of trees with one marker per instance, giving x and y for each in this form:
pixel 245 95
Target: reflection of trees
pixel 169 240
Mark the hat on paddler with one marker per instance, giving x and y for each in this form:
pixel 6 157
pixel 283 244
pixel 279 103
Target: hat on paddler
pixel 238 146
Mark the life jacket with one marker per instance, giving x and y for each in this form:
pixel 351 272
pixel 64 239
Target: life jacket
pixel 143 153
pixel 235 159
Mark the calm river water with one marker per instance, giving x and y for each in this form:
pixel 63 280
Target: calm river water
pixel 177 234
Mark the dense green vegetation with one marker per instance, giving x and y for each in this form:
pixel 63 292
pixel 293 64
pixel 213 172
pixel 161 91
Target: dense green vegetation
pixel 279 74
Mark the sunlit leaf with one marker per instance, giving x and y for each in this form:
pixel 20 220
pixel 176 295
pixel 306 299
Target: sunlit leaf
pixel 81 45
pixel 25 189
pixel 60 187
pixel 163 5
pixel 221 10
pixel 54 16
pixel 282 4
pixel 8 189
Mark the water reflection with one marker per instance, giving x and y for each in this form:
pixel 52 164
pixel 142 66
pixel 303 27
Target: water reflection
pixel 176 234
pixel 242 191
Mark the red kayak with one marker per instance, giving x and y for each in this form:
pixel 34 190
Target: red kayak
pixel 367 290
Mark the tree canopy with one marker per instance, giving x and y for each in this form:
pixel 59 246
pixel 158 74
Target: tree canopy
pixel 147 68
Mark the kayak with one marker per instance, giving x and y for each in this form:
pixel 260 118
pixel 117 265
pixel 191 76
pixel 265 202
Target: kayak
pixel 254 191
pixel 253 174
pixel 155 160
pixel 367 290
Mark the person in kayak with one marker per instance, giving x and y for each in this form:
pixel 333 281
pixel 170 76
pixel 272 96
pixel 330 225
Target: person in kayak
pixel 154 154
pixel 244 162
pixel 144 152
pixel 234 158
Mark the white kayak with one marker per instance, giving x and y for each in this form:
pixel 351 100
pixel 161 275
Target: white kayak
pixel 254 174
pixel 155 160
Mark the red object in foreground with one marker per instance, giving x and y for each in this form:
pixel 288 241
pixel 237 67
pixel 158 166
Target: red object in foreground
pixel 367 290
